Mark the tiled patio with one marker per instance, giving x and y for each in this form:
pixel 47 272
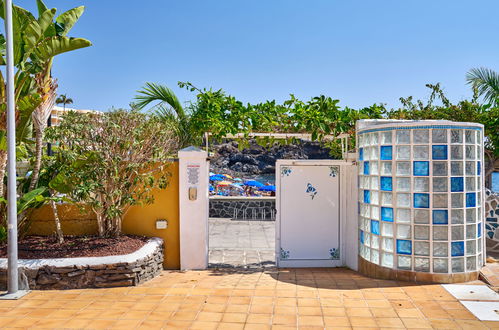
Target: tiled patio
pixel 235 299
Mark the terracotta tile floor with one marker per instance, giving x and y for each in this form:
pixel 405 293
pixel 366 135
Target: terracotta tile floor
pixel 235 299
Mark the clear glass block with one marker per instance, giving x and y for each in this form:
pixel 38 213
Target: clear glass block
pixel 375 256
pixel 403 168
pixel 404 231
pixel 439 136
pixel 421 152
pixel 440 249
pixel 470 168
pixel 374 241
pixel 440 233
pixel 478 137
pixel 388 244
pixel 366 154
pixel 440 168
pixel 470 152
pixel 403 137
pixel 374 197
pixel 375 138
pixel 387 260
pixel 403 184
pixel 386 137
pixel 422 264
pixel 404 262
pixel 374 212
pixel 374 167
pixel 421 248
pixel 457 200
pixel 367 239
pixel 457 265
pixel 479 244
pixel 456 136
pixel 375 182
pixel 421 184
pixel 470 247
pixel 456 152
pixel 387 229
pixel 440 201
pixel 440 265
pixel 470 184
pixel 365 253
pixel 422 232
pixel 471 215
pixel 386 168
pixel 471 231
pixel 403 152
pixel 403 200
pixel 421 216
pixel 470 263
pixel 386 199
pixel 457 216
pixel 365 210
pixel 440 185
pixel 421 136
pixel 457 233
pixel 403 216
pixel 469 136
pixel 456 168
pixel 374 153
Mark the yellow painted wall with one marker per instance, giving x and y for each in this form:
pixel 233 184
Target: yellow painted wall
pixel 139 220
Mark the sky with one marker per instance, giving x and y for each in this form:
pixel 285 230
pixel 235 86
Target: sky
pixel 360 52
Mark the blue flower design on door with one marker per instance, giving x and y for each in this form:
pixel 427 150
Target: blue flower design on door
pixel 311 190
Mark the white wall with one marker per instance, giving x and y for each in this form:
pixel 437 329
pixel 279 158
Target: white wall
pixel 193 173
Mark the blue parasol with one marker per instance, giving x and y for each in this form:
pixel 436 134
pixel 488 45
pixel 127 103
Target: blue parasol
pixel 253 183
pixel 267 188
pixel 217 177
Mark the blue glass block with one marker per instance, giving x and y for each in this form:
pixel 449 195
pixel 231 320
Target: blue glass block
pixel 478 168
pixel 366 168
pixel 375 227
pixel 479 233
pixel 470 199
pixel 361 236
pixel 386 183
pixel 457 184
pixel 361 154
pixel 439 152
pixel 386 152
pixel 440 217
pixel 421 201
pixel 404 246
pixel 367 196
pixel 457 249
pixel 387 214
pixel 421 168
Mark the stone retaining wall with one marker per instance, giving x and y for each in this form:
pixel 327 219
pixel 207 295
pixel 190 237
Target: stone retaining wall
pixel 492 221
pixel 93 272
pixel 257 208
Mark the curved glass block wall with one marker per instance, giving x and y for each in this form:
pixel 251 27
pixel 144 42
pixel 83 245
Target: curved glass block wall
pixel 420 195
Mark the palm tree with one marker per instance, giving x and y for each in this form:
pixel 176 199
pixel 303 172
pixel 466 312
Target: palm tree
pixel 485 82
pixel 169 109
pixel 63 99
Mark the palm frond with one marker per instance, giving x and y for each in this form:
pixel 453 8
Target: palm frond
pixel 152 92
pixel 486 83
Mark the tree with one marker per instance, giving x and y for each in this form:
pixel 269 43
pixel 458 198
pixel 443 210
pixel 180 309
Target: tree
pixel 113 160
pixel 63 99
pixel 486 83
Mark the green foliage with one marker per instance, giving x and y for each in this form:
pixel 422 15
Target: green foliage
pixel 486 84
pixel 111 161
pixel 3 234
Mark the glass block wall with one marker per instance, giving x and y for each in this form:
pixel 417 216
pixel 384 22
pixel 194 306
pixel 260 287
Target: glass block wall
pixel 420 195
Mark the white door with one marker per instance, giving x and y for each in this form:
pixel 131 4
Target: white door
pixel 309 216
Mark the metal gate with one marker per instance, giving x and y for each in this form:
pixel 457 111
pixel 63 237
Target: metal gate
pixel 308 214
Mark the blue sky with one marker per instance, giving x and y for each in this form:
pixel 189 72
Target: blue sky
pixel 360 52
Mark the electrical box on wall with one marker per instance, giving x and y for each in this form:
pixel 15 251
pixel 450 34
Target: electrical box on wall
pixel 161 224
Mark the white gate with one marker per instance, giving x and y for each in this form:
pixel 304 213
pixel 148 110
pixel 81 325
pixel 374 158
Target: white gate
pixel 309 215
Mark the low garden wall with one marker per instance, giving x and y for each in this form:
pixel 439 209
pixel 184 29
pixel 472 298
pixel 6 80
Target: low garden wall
pixel 492 221
pixel 250 208
pixel 90 272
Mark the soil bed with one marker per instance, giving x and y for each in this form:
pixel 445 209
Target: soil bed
pixel 43 247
